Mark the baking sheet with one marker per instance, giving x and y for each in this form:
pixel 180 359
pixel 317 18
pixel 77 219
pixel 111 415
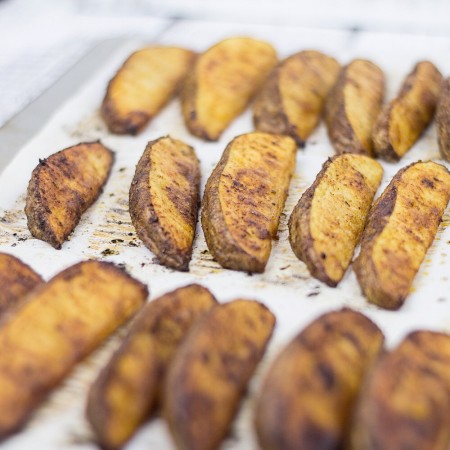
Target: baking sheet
pixel 105 231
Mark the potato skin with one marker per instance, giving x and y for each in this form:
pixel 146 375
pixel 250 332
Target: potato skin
pixel 352 107
pixel 17 279
pixel 130 386
pixel 307 397
pixel 62 187
pixel 164 198
pixel 244 197
pixel 400 228
pixel 62 321
pixel 405 401
pixel 144 84
pixel 210 372
pixel 403 120
pixel 292 98
pixel 224 79
pixel 443 120
pixel 328 221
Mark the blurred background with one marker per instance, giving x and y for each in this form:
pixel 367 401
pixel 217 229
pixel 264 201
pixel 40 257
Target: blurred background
pixel 41 39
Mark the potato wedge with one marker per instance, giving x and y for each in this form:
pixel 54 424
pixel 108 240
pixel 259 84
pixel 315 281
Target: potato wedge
pixel 61 322
pixel 403 120
pixel 328 221
pixel 130 386
pixel 244 198
pixel 353 105
pixel 293 97
pixel 145 83
pixel 405 403
pixel 308 395
pixel 400 228
pixel 224 79
pixel 62 187
pixel 17 279
pixel 210 372
pixel 443 120
pixel 164 197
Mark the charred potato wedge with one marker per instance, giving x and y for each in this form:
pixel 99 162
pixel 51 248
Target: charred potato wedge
pixel 164 197
pixel 145 83
pixel 61 322
pixel 400 228
pixel 403 120
pixel 308 395
pixel 130 386
pixel 352 107
pixel 244 198
pixel 62 187
pixel 328 221
pixel 405 403
pixel 210 372
pixel 443 120
pixel 292 99
pixel 222 83
pixel 16 280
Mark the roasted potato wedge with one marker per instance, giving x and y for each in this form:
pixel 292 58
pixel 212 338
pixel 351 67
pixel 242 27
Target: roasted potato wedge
pixel 224 79
pixel 62 187
pixel 210 372
pixel 308 395
pixel 164 197
pixel 403 120
pixel 353 105
pixel 16 280
pixel 443 120
pixel 244 198
pixel 400 228
pixel 145 83
pixel 328 221
pixel 405 403
pixel 130 386
pixel 61 322
pixel 292 99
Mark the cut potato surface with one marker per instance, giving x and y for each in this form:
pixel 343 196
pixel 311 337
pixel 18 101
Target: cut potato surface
pixel 443 120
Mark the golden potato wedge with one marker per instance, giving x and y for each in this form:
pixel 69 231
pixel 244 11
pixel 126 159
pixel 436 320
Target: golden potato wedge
pixel 400 228
pixel 244 198
pixel 61 322
pixel 222 83
pixel 293 97
pixel 164 197
pixel 405 402
pixel 17 279
pixel 308 395
pixel 130 386
pixel 328 221
pixel 210 372
pixel 145 83
pixel 62 187
pixel 353 105
pixel 403 120
pixel 443 120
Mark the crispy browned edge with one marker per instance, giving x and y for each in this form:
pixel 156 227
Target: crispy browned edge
pixel 145 219
pixel 220 242
pixel 381 128
pixel 137 120
pixel 310 436
pixel 339 128
pixel 302 243
pixel 37 212
pixel 376 221
pixel 443 120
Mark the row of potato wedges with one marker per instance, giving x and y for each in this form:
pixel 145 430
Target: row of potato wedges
pixel 243 200
pixel 191 358
pixel 289 96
